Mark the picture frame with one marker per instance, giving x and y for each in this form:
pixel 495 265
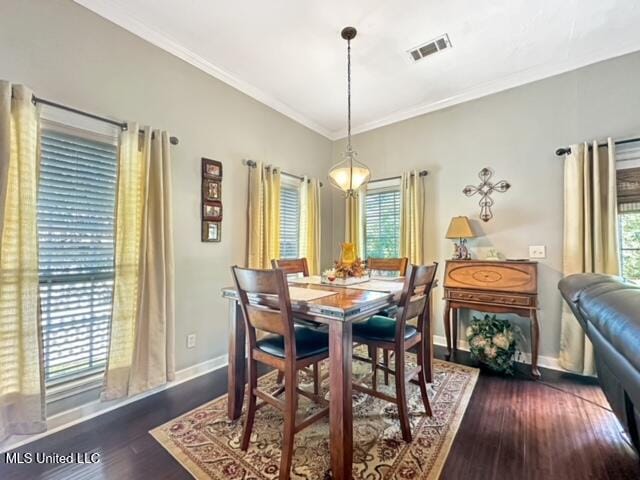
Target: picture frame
pixel 212 211
pixel 211 231
pixel 211 169
pixel 211 190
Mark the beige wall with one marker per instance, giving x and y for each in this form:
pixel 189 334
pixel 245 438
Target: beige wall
pixel 69 55
pixel 516 133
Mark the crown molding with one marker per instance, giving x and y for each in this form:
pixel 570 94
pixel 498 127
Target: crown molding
pixel 116 12
pixel 517 79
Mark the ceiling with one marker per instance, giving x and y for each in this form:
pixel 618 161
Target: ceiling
pixel 289 55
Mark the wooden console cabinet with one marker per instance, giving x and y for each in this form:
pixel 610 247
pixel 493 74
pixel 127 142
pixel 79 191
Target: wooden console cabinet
pixel 492 287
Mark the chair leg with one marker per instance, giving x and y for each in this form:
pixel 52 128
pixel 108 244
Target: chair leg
pixel 280 377
pixel 423 362
pixel 385 360
pixel 316 378
pixel 401 397
pixel 251 406
pixel 291 405
pixel 374 367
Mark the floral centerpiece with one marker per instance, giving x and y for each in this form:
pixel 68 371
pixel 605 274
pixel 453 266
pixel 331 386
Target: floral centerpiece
pixel 492 342
pixel 349 269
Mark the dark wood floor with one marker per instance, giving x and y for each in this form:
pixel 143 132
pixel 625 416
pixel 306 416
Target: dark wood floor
pixel 557 428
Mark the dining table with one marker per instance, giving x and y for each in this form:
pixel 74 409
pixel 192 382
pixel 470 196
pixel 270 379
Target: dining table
pixel 337 307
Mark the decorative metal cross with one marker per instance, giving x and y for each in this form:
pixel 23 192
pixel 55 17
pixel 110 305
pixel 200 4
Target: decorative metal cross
pixel 485 189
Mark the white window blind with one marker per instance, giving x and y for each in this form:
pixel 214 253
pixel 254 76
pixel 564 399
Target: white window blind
pixel 382 224
pixel 76 213
pixel 289 220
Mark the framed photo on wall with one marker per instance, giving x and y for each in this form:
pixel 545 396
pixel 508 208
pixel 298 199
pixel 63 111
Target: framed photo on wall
pixel 212 211
pixel 211 190
pixel 211 168
pixel 211 231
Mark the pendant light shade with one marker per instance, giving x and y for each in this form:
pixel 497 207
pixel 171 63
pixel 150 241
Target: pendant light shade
pixel 349 174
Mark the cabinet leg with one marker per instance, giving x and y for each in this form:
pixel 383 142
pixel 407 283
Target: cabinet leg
pixel 454 329
pixel 535 338
pixel 447 325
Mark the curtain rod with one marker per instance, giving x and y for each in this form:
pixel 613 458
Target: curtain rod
pixel 566 150
pixel 422 173
pixel 253 164
pixel 122 125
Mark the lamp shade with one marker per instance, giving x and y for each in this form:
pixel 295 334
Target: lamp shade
pixel 460 228
pixel 349 175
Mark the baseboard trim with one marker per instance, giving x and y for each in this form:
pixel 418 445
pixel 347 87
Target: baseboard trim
pixel 543 361
pixel 74 416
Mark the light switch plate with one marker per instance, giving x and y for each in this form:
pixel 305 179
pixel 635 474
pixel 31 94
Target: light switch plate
pixel 191 340
pixel 537 251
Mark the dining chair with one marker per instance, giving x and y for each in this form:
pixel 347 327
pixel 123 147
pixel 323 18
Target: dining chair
pixel 266 306
pixel 388 265
pixel 396 336
pixel 292 265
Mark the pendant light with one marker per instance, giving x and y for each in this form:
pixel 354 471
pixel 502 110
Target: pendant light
pixel 349 174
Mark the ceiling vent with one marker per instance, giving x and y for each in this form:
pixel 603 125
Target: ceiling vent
pixel 429 48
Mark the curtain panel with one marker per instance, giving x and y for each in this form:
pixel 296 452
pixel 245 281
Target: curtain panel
pixel 263 216
pixel 22 406
pixel 412 217
pixel 310 223
pixel 141 351
pixel 590 237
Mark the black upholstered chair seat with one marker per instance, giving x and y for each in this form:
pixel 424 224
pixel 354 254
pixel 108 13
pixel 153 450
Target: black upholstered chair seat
pixel 309 342
pixel 383 329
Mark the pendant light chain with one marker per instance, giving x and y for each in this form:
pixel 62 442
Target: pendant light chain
pixel 349 95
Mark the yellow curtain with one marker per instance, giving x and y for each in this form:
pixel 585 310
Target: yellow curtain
pixel 310 223
pixel 263 212
pixel 353 221
pixel 590 237
pixel 141 352
pixel 412 217
pixel 22 408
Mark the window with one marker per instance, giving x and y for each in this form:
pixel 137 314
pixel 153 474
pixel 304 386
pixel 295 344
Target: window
pixel 628 186
pixel 629 221
pixel 289 218
pixel 76 212
pixel 382 223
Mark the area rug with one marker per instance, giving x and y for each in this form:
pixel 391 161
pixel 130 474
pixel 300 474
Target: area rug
pixel 206 443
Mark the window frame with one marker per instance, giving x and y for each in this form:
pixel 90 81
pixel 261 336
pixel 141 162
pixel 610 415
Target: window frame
pixel 67 123
pixel 291 184
pixel 392 185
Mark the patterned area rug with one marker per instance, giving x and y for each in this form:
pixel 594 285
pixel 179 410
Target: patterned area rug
pixel 206 443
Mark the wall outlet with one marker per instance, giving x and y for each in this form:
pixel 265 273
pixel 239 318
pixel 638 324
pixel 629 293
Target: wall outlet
pixel 537 251
pixel 191 340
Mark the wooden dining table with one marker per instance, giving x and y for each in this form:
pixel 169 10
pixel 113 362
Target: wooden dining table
pixel 338 311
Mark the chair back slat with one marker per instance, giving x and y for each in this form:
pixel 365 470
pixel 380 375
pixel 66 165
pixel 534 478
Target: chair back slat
pixel 389 265
pixel 415 298
pixel 292 265
pixel 270 314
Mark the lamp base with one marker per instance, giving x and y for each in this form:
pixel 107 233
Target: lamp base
pixel 461 252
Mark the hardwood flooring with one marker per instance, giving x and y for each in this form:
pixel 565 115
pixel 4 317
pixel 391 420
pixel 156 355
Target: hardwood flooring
pixel 558 428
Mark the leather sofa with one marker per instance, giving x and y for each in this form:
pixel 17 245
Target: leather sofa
pixel 609 311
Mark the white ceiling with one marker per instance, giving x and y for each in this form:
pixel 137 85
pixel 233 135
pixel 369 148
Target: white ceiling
pixel 289 54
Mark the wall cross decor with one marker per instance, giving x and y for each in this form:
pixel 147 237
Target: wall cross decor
pixel 485 189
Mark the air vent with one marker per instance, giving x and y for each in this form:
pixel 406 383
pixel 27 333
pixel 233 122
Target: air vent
pixel 429 48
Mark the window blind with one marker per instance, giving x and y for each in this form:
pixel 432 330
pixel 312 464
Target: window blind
pixel 628 185
pixel 76 213
pixel 382 224
pixel 289 221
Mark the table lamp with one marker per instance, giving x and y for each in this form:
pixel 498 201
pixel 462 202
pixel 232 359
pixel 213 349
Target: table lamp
pixel 461 229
